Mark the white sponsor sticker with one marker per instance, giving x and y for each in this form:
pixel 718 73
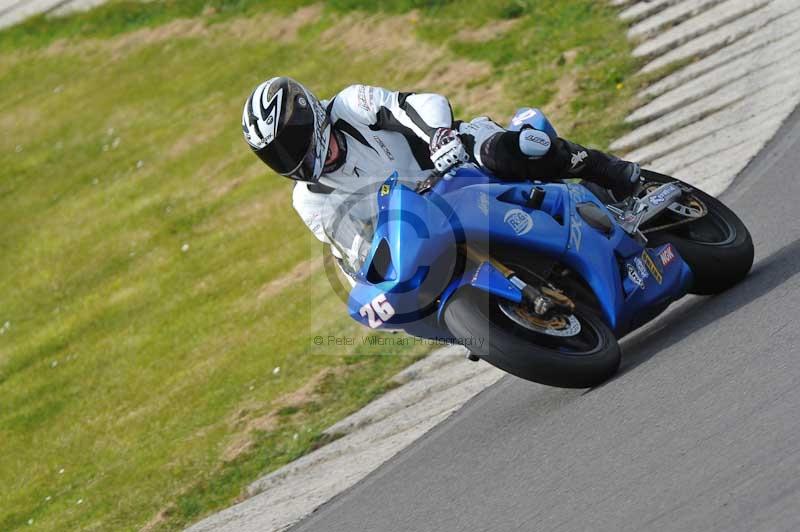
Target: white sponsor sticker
pixel 633 275
pixel 519 119
pixel 377 311
pixel 578 158
pixel 483 203
pixel 641 268
pixel 273 111
pixel 661 197
pixel 519 220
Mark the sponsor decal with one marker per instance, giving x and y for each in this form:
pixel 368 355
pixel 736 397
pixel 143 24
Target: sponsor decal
pixel 661 197
pixel 483 203
pixel 578 158
pixel 476 274
pixel 633 275
pixel 363 99
pixel 320 115
pixel 538 139
pixel 383 147
pixel 534 143
pixel 385 190
pixel 270 113
pixel 322 130
pixel 654 271
pixel 575 221
pixel 573 328
pixel 377 311
pixel 640 268
pixel 519 220
pixel 667 255
pixel 520 118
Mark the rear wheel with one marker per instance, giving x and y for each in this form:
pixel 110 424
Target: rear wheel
pixel 717 246
pixel 575 350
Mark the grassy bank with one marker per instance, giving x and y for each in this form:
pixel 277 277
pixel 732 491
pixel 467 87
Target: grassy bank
pixel 158 296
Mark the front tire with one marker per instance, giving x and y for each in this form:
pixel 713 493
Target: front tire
pixel 504 343
pixel 717 247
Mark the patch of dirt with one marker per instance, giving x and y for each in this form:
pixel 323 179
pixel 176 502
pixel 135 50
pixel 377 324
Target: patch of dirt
pixel 567 89
pixel 243 215
pixel 177 29
pixel 122 295
pixel 465 82
pixel 243 442
pixel 254 170
pixel 273 27
pixel 197 136
pixel 242 421
pixel 119 46
pixel 469 83
pixel 302 271
pixel 307 392
pixel 487 32
pixel 557 109
pixel 159 519
pixel 17 118
pixel 215 174
pixel 227 186
pixel 267 26
pixel 569 56
pixel 384 34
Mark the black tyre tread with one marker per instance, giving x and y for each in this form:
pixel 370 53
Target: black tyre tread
pixel 522 358
pixel 715 268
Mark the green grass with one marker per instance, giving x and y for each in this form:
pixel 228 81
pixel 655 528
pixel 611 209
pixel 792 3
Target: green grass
pixel 131 367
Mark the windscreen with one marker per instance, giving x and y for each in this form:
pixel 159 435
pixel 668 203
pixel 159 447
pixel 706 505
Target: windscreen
pixel 349 223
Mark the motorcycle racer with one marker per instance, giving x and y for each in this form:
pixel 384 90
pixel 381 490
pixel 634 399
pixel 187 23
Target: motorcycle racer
pixel 364 133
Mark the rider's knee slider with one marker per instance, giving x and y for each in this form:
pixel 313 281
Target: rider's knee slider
pixel 533 143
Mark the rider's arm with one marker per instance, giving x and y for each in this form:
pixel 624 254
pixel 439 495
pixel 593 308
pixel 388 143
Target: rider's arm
pixel 404 112
pixel 310 207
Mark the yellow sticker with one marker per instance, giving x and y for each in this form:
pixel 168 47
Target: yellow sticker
pixel 385 190
pixel 652 267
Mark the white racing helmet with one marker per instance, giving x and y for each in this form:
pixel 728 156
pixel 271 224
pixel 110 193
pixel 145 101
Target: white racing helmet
pixel 288 128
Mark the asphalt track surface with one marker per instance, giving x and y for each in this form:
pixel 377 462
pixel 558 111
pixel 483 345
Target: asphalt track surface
pixel 699 431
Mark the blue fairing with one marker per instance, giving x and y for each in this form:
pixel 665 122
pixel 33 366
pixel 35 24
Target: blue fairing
pixel 412 268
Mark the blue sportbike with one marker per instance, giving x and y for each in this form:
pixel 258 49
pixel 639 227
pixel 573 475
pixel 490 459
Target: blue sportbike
pixel 538 279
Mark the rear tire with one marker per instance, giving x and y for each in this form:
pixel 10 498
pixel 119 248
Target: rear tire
pixel 717 262
pixel 474 314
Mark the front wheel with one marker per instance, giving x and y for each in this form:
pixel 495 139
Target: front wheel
pixel 568 351
pixel 717 247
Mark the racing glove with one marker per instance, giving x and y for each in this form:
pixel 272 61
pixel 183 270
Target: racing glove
pixel 447 150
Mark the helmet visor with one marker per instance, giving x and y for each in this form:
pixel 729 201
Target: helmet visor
pixel 291 148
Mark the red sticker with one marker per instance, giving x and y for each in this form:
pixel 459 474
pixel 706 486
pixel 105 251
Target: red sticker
pixel 666 255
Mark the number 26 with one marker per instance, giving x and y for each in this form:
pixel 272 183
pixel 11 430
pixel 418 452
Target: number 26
pixel 377 311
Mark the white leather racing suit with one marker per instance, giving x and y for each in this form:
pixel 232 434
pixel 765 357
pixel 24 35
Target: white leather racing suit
pixel 383 132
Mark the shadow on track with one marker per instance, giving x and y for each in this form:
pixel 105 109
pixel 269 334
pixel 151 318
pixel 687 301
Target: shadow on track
pixel 767 275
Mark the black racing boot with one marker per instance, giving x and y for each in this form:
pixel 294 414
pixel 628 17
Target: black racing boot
pixel 617 175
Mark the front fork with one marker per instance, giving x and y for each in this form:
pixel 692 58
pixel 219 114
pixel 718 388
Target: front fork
pixel 540 299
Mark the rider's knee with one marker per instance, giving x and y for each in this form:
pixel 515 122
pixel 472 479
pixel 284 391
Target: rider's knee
pixel 534 144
